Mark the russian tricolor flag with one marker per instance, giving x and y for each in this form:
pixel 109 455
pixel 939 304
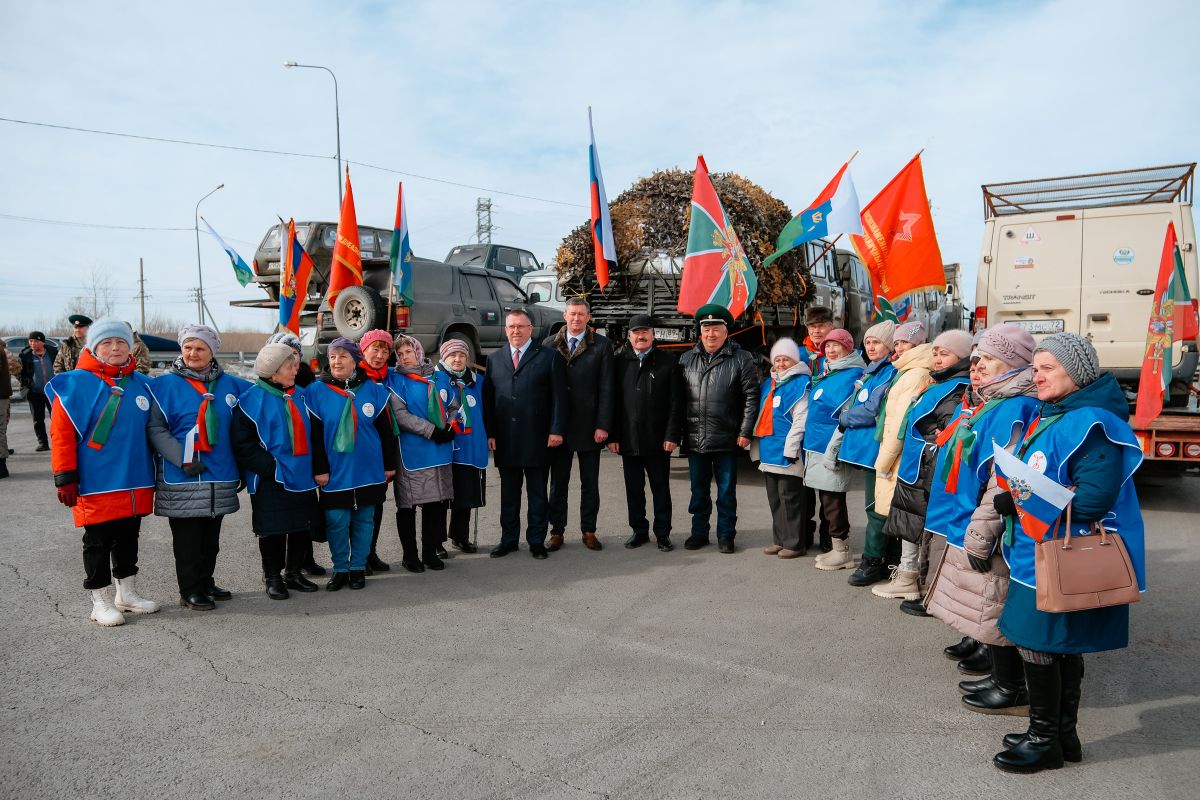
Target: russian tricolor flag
pixel 602 236
pixel 1039 500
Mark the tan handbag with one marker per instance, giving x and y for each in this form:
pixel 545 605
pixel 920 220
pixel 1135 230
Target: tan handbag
pixel 1085 572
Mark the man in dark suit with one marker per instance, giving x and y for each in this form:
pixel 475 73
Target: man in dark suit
pixel 525 413
pixel 589 360
pixel 647 428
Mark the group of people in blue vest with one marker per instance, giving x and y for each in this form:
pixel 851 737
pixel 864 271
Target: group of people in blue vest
pixel 921 421
pixel 317 453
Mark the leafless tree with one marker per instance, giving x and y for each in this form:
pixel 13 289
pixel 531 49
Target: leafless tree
pixel 96 298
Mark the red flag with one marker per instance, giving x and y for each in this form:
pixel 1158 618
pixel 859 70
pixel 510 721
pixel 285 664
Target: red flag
pixel 1172 319
pixel 898 245
pixel 346 269
pixel 294 274
pixel 715 268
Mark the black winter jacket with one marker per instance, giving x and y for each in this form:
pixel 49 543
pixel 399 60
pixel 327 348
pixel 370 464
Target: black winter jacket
pixel 720 396
pixel 589 388
pixel 274 510
pixel 649 403
pixel 906 519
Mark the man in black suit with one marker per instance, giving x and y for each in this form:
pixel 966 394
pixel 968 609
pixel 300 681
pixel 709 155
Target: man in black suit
pixel 525 413
pixel 588 357
pixel 647 429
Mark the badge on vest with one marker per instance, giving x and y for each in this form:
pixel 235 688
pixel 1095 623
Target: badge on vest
pixel 231 400
pixel 776 401
pixel 1038 461
pixel 444 395
pixel 368 409
pixel 143 402
pixel 817 394
pixel 863 395
pixel 471 400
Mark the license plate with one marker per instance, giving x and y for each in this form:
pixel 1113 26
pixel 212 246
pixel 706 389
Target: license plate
pixel 1040 325
pixel 668 334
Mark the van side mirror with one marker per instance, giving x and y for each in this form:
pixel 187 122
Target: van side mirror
pixel 535 297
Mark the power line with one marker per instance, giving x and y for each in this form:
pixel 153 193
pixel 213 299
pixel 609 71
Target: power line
pixel 267 151
pixel 70 223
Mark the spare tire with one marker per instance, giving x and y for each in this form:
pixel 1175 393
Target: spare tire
pixel 358 309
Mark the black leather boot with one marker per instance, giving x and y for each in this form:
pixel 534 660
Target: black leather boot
pixel 978 663
pixel 914 608
pixel 310 564
pixel 275 587
pixel 870 570
pixel 337 581
pixel 984 683
pixel 357 579
pixel 1007 693
pixel 433 528
pixel 374 562
pixel 1071 669
pixel 1040 748
pixel 406 525
pixel 297 552
pixel 957 652
pixel 3 467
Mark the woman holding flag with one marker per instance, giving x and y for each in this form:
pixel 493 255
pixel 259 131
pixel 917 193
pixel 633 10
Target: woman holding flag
pixel 829 393
pixel 426 452
pixel 354 458
pixel 1080 439
pixel 461 391
pixel 778 448
pixel 197 474
pixel 272 439
pixel 969 588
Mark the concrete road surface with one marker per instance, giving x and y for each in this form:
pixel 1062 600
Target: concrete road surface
pixel 618 674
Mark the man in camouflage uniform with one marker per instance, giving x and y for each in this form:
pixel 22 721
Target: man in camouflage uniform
pixel 68 354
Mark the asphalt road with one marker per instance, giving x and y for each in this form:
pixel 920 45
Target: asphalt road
pixel 622 674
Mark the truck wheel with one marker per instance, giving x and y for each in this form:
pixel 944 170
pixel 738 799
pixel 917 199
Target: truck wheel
pixel 358 309
pixel 472 351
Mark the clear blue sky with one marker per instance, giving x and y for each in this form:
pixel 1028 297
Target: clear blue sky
pixel 495 95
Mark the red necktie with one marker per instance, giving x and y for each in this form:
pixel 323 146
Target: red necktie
pixel 516 359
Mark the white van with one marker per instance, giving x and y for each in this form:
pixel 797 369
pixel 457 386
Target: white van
pixel 545 283
pixel 1082 253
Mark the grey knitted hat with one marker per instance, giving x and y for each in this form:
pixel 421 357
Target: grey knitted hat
pixel 1076 355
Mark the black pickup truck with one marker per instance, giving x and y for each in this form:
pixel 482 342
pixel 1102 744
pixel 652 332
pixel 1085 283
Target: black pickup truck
pixel 452 302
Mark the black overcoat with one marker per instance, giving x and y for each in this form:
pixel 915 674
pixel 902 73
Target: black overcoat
pixel 649 402
pixel 589 387
pixel 522 409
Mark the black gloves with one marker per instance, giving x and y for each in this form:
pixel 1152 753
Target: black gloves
pixel 194 468
pixel 442 435
pixel 980 564
pixel 1004 504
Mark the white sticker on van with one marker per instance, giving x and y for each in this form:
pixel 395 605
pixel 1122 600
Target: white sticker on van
pixel 1123 256
pixel 1031 236
pixel 1023 262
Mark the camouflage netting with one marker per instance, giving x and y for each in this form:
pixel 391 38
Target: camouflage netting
pixel 652 216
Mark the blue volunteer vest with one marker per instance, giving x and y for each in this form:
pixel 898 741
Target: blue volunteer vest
pixel 922 406
pixel 829 392
pixel 270 417
pixel 363 467
pixel 125 462
pixel 1053 450
pixel 471 448
pixel 948 514
pixel 858 444
pixel 180 403
pixel 417 452
pixel 787 394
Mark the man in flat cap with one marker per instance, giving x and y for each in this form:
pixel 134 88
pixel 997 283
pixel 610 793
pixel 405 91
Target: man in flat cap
pixel 647 425
pixel 37 368
pixel 720 386
pixel 68 354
